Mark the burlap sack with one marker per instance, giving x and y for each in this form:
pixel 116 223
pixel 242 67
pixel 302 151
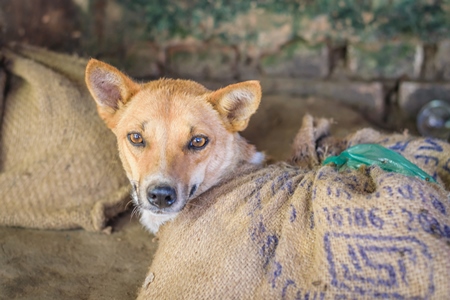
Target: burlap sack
pixel 283 232
pixel 59 166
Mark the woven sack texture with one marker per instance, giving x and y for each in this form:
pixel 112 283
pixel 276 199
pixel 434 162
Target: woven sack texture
pixel 307 231
pixel 59 166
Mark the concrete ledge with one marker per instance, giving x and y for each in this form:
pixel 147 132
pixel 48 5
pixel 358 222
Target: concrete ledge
pixel 366 97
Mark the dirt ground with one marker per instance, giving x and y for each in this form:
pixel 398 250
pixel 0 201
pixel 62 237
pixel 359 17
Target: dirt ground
pixel 38 264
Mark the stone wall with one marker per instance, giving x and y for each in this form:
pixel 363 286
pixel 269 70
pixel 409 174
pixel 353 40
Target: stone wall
pixel 386 58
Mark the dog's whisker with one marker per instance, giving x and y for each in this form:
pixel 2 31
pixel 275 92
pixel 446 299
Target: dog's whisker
pixel 135 212
pixel 192 204
pixel 128 204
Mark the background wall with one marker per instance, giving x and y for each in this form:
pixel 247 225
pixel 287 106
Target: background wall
pixel 385 57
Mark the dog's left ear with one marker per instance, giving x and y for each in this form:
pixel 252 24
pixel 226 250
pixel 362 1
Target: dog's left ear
pixel 236 103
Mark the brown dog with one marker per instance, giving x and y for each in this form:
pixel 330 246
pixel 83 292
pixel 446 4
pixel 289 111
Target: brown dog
pixel 176 138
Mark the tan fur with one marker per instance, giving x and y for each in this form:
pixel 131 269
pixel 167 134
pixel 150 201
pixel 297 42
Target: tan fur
pixel 168 114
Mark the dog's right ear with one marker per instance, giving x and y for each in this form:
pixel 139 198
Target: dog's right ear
pixel 110 88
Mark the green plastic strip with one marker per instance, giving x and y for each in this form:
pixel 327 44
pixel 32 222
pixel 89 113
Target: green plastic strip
pixel 374 154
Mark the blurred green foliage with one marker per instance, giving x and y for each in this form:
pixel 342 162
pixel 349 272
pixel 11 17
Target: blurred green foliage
pixel 428 20
pixel 424 19
pixel 181 18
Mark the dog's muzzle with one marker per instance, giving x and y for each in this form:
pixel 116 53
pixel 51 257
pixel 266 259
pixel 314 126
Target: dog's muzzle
pixel 161 196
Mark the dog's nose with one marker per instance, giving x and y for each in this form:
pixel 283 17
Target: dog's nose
pixel 162 196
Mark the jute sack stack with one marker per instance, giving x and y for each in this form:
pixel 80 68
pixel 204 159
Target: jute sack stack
pixel 59 167
pixel 284 232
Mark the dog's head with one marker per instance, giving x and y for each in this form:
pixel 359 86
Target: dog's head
pixel 176 138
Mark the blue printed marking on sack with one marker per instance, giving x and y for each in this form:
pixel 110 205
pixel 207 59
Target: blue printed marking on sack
pixel 432 144
pixel 373 219
pixel 446 166
pixel 276 273
pixel 406 191
pixel 349 216
pixel 358 217
pixel 399 146
pixel 438 205
pixel 410 222
pixel 311 221
pixel 321 176
pixel 432 226
pixel 427 159
pixel 337 216
pixel 283 182
pixel 290 288
pixel 308 183
pixel 434 176
pixel 285 287
pixel 379 265
pixel 421 195
pixel 269 247
pixel 266 241
pixel 338 192
pixel 257 231
pixel 293 214
pixel 255 196
pixel 389 190
pixel 426 222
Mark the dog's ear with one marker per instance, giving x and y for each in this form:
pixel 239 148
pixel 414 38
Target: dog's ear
pixel 236 103
pixel 110 88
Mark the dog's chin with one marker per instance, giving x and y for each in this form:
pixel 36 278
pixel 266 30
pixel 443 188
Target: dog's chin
pixel 152 220
pixel 159 212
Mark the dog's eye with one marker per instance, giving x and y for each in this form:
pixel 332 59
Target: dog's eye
pixel 198 142
pixel 136 139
